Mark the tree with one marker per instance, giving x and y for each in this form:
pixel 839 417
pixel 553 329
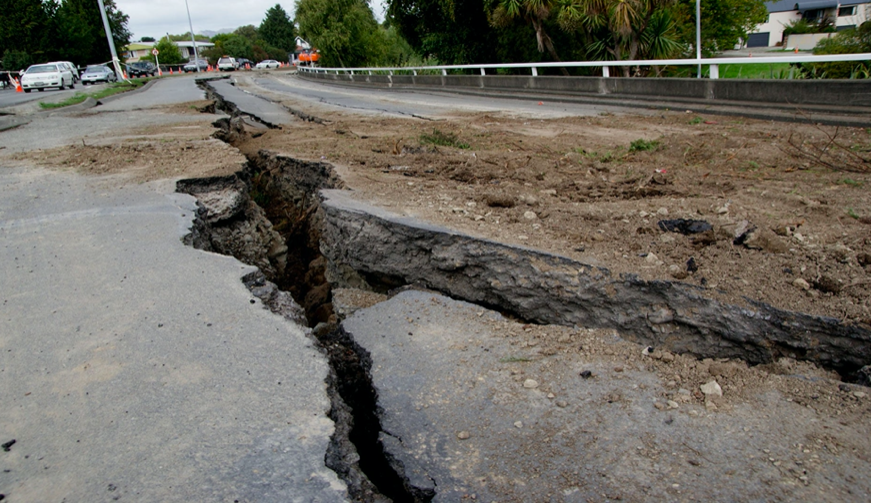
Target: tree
pixel 532 12
pixel 453 32
pixel 184 37
pixel 81 28
pixel 724 23
pixel 277 29
pixel 623 29
pixel 147 39
pixel 28 30
pixel 345 31
pixel 169 53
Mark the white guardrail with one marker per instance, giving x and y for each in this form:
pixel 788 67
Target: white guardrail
pixel 712 63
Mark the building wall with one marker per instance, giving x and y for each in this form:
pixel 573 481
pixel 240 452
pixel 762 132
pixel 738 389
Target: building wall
pixel 863 13
pixel 775 25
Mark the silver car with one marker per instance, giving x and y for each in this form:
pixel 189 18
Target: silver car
pixel 43 76
pixel 97 73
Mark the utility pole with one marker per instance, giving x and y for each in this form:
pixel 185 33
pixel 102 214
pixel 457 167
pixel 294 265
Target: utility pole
pixel 698 36
pixel 115 61
pixel 193 40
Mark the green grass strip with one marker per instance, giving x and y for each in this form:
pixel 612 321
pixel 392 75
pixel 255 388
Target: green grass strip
pixel 117 88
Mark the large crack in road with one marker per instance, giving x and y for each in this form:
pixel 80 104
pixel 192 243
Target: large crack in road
pixel 287 217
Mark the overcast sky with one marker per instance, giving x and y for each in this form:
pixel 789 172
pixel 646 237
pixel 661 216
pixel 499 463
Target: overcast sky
pixel 154 18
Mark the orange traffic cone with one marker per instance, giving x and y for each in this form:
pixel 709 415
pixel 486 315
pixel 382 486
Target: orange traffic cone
pixel 159 72
pixel 18 88
pixel 170 70
pixel 796 50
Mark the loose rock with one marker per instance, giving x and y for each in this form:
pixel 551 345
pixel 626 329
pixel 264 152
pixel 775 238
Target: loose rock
pixel 711 389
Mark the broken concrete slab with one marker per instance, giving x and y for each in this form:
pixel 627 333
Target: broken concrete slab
pixel 137 367
pixel 459 421
pixel 366 244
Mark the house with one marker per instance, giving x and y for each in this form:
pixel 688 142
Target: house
pixel 781 13
pixel 136 50
pixel 187 48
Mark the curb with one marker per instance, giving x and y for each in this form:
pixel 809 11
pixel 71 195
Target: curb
pixel 8 122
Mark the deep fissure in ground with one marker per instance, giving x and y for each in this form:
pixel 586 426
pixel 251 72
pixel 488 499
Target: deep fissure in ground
pixel 277 197
pixel 286 191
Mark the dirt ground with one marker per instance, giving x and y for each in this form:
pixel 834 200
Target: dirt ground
pixel 788 206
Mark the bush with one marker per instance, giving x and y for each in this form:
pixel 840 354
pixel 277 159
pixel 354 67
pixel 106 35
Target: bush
pixel 852 41
pixel 14 61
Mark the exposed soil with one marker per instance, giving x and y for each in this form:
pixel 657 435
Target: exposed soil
pixel 575 186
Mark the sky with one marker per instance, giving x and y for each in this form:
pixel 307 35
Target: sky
pixel 155 18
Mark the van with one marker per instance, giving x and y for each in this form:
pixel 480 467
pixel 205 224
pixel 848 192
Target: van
pixel 226 64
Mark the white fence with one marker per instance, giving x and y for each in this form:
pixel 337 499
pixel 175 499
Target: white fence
pixel 712 63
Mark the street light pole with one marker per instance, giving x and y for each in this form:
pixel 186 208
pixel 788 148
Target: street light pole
pixel 193 40
pixel 115 61
pixel 698 36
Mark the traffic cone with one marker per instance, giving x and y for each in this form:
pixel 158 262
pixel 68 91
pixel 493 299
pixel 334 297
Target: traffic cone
pixel 159 72
pixel 18 88
pixel 796 50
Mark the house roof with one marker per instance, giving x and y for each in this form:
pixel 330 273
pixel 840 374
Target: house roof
pixel 798 5
pixel 138 46
pixel 188 43
pixel 802 6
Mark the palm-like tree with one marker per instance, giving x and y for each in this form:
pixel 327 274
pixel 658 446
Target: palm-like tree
pixel 534 12
pixel 622 29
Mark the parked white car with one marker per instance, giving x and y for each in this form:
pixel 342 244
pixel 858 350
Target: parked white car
pixel 266 64
pixel 41 77
pixel 227 63
pixel 68 64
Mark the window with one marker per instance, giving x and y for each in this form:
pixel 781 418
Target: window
pixel 847 11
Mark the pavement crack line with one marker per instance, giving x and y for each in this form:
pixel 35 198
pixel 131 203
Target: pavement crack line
pixel 307 237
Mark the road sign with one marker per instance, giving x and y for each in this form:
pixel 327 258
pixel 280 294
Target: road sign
pixel 155 51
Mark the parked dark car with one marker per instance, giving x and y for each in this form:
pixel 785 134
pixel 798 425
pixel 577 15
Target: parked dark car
pixel 245 64
pixel 141 69
pixel 192 67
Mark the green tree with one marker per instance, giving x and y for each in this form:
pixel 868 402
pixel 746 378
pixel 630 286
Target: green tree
pixel 534 13
pixel 28 30
pixel 184 37
pixel 724 23
pixel 277 29
pixel 345 31
pixel 453 32
pixel 147 39
pixel 81 29
pixel 169 53
pixel 248 32
pixel 623 29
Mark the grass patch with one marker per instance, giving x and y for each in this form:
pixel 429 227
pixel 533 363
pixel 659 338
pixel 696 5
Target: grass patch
pixel 852 213
pixel 696 120
pixel 850 182
pixel 443 139
pixel 606 156
pixel 642 145
pixel 514 359
pixel 120 87
pixel 755 71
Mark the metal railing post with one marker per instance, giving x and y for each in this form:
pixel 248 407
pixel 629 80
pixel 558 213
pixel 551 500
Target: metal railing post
pixel 534 71
pixel 606 71
pixel 715 71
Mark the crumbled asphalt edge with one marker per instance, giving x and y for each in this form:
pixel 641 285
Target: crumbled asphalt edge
pixel 228 106
pixel 349 387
